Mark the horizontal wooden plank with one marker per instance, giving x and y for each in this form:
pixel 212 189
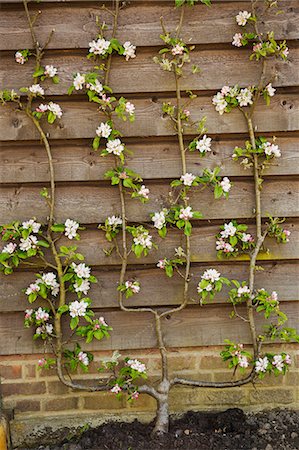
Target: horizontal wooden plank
pixel 195 326
pixel 138 22
pixel 80 120
pixel 216 71
pixel 152 159
pixel 279 198
pixel 156 288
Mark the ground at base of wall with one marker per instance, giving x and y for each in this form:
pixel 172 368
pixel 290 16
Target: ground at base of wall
pixel 228 430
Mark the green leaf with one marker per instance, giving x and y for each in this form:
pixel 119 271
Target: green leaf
pixel 67 276
pixel 70 90
pixel 188 228
pixel 51 117
pixel 40 71
pixel 62 309
pixel 55 79
pixel 58 228
pixel 218 191
pixel 74 322
pixel 96 143
pixel 43 244
pixel 169 271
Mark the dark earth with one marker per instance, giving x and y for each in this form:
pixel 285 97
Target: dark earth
pixel 228 430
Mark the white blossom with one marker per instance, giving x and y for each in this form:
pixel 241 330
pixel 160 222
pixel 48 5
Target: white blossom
pixel 246 237
pixel 84 287
pixel 41 314
pixel 204 144
pixel 42 108
pixel 177 50
pixel 83 358
pixel 237 40
pixel 144 239
pixel 49 328
pixel 28 313
pixel 270 89
pixel 33 287
pixel 114 221
pixel 133 285
pixel 243 361
pixel 50 281
pixel 161 263
pixel 77 309
pixel 188 179
pixel 55 109
pixel 130 108
pixel 245 97
pixel 288 359
pixel 242 290
pixel 81 270
pixel 79 81
pixel 261 364
pixel 186 213
pixel 143 191
pixel 225 246
pixel 286 52
pixel 229 230
pixel 36 89
pixel 102 321
pixel 103 130
pixel 211 274
pixel 271 149
pixel 51 71
pixel 129 51
pixel 225 184
pixel 159 219
pixel 99 47
pixel 115 146
pixel 20 59
pixel 35 226
pixel 27 244
pixel 225 90
pixel 209 287
pixel 136 365
pixel 96 87
pixel 71 227
pixel 219 102
pixel 242 18
pixel 278 362
pixel 116 389
pixel 9 248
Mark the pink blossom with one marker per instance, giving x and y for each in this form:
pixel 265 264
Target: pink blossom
pixel 135 395
pixel 116 389
pixel 257 47
pixel 42 362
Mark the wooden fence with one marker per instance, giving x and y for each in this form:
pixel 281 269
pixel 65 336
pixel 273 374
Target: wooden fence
pixel 84 195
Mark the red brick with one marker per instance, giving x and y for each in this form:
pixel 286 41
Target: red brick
pixel 212 362
pixel 9 372
pixel 27 405
pixel 23 388
pixel 61 404
pixel 57 388
pixel 103 400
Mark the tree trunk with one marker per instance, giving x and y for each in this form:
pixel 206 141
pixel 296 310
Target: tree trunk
pixel 162 419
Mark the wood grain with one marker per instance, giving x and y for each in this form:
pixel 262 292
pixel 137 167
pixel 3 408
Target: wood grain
pixel 139 23
pixel 156 288
pixel 195 326
pixel 81 119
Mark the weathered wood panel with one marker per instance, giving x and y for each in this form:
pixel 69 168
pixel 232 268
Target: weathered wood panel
pixel 142 75
pixel 152 159
pixel 195 326
pixel 138 22
pixel 80 120
pixel 156 288
pixel 279 198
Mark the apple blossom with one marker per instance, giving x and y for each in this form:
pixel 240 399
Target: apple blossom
pixel 116 389
pixel 102 321
pixel 55 109
pixel 224 246
pixel 246 237
pixel 33 287
pixel 243 290
pixel 41 108
pixel 41 362
pixel 115 146
pixel 288 359
pixel 225 90
pixel 114 221
pixel 20 59
pixel 245 97
pixel 135 395
pixel 229 230
pixel 99 47
pixel 130 108
pixel 177 50
pixel 96 86
pixel 257 47
pixel 242 18
pixel 83 287
pixel 274 296
pixel 159 219
pixel 219 102
pixel 161 263
pixel 51 71
pixel 41 314
pixel 28 313
pixel 9 248
pixel 36 89
pixel 278 362
pixel 79 81
pixel 270 89
pixel 261 364
pixel 188 179
pixel 133 285
pixel 27 244
pixel 77 309
pixel 136 365
pixel 103 130
pixel 204 144
pixel 243 361
pixel 143 191
pixel 287 233
pixel 81 270
pixel 186 213
pixel 83 358
pixel 144 239
pixel 237 40
pixel 211 274
pixel 225 184
pixel 129 50
pixel 71 227
pixel 286 52
pixel 31 223
pixel 271 149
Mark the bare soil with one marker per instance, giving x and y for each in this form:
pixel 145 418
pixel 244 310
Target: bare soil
pixel 228 430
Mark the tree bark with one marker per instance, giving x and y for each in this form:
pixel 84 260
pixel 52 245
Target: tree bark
pixel 162 418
